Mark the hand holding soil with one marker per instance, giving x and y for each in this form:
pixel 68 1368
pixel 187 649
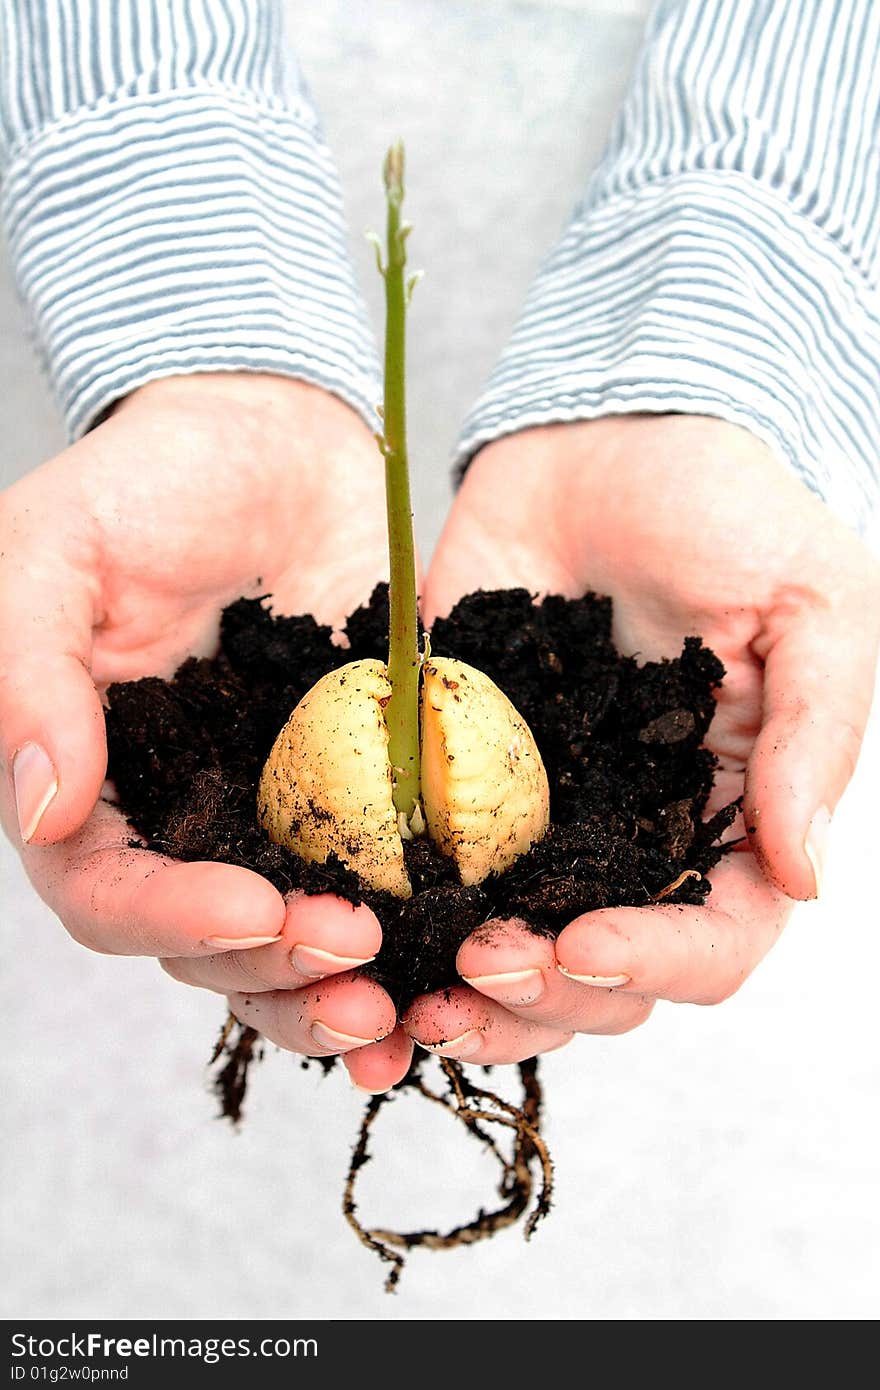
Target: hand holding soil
pixel 691 526
pixel 117 561
pixel 535 906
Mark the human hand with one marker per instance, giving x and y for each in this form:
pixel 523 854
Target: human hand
pixel 116 559
pixel 692 526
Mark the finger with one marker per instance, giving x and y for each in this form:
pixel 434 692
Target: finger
pixel 518 969
pixel 819 680
pixel 381 1065
pixel 321 1020
pixel 52 741
pixel 127 901
pixel 463 1024
pixel 695 955
pixel 322 936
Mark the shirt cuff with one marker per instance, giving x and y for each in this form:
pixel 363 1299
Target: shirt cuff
pixel 704 294
pixel 180 232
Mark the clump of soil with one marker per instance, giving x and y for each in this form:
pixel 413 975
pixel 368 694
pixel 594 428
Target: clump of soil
pixel 629 781
pixel 628 777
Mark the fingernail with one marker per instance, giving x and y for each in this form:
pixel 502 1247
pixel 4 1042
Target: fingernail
pixel 314 963
pixel 599 981
pixel 467 1044
pixel 368 1090
pixel 36 782
pixel 816 845
pixel 238 943
pixel 514 989
pixel 337 1042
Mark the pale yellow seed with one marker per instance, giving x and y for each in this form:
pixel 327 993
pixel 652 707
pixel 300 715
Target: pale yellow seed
pixel 326 786
pixel 484 787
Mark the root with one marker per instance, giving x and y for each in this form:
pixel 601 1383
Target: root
pixel 671 887
pixel 239 1045
pixel 223 1039
pixel 476 1108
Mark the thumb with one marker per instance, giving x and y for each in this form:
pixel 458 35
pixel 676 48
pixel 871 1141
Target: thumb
pixel 52 741
pixel 818 684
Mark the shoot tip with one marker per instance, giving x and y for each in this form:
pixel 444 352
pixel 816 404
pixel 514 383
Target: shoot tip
pixel 393 171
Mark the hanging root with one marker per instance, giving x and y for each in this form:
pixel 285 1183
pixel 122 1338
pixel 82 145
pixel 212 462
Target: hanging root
pixel 477 1109
pixel 238 1044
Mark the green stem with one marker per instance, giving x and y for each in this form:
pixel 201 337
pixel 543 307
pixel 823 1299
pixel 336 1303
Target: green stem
pixel 402 710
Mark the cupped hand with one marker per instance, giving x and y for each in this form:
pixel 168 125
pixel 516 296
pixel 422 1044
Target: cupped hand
pixel 116 560
pixel 693 527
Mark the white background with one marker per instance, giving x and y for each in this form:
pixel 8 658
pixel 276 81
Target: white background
pixel 716 1164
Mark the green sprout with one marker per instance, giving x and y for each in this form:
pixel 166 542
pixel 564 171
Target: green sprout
pixel 404 661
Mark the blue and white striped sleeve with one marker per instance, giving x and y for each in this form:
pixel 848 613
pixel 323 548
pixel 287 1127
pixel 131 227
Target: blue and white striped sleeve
pixel 725 258
pixel 169 203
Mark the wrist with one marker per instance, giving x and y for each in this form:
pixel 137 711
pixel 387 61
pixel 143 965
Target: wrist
pixel 606 473
pixel 266 402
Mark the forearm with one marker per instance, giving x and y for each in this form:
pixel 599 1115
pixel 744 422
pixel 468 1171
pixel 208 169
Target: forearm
pixel 169 203
pixel 725 257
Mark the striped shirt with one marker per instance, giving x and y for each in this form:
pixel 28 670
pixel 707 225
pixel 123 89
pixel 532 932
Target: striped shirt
pixel 169 202
pixel 170 206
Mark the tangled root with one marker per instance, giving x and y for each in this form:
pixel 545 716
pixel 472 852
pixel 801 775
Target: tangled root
pixel 475 1107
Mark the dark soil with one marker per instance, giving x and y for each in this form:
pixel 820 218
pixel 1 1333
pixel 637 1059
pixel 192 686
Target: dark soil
pixel 628 777
pixel 629 782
